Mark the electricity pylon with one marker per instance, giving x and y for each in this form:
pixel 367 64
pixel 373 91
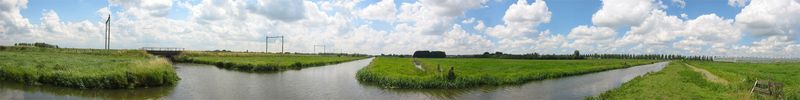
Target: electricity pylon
pixel 267 42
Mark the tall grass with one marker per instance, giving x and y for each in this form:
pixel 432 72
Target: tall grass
pixel 85 68
pixel 678 81
pixel 470 72
pixel 260 62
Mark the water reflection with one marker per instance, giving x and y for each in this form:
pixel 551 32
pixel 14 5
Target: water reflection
pixel 329 82
pixel 16 91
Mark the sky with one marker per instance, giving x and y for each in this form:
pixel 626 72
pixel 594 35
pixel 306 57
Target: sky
pixel 752 28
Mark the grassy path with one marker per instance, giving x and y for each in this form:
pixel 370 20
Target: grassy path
pixel 686 80
pixel 708 75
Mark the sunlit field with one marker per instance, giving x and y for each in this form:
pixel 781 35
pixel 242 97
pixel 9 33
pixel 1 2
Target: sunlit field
pixel 85 68
pixel 258 62
pixel 470 72
pixel 678 81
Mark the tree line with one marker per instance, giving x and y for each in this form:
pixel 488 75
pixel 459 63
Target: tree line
pixel 37 44
pixel 429 54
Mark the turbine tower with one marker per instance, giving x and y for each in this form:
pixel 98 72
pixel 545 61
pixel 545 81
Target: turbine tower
pixel 108 32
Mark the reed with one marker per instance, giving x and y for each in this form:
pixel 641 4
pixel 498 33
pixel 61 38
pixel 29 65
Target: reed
pixel 262 62
pixel 85 68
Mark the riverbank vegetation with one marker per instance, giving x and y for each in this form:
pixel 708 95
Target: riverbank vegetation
pixel 84 68
pixel 393 72
pixel 679 81
pixel 263 62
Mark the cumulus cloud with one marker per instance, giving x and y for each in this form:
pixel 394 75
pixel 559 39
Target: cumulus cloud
pixel 680 3
pixel 241 25
pixel 713 31
pixel 383 10
pixel 521 19
pixel 619 13
pixel 452 7
pixel 145 8
pixel 591 38
pixel 738 3
pixel 770 17
pixel 12 21
pixel 282 10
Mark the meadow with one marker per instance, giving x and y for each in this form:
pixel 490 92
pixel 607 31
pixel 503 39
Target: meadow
pixel 84 68
pixel 392 72
pixel 679 81
pixel 262 62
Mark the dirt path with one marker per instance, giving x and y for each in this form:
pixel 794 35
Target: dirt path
pixel 708 75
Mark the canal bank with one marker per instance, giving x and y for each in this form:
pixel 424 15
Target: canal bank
pixel 335 82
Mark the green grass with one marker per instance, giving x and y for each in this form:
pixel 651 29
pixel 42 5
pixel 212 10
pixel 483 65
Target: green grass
pixel 471 72
pixel 678 81
pixel 84 68
pixel 260 62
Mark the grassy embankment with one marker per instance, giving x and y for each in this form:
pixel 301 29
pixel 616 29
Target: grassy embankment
pixel 84 68
pixel 678 81
pixel 260 62
pixel 401 72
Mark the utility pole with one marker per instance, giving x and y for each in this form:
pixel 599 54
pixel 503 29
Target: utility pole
pixel 323 48
pixel 267 42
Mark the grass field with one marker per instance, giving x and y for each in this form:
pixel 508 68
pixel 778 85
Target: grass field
pixel 469 72
pixel 678 81
pixel 83 68
pixel 259 62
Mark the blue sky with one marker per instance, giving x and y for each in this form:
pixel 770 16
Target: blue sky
pixel 562 25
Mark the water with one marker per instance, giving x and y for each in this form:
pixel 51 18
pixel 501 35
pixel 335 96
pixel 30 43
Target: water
pixel 327 82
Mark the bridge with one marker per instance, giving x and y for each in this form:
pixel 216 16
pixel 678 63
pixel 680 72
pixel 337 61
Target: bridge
pixel 163 51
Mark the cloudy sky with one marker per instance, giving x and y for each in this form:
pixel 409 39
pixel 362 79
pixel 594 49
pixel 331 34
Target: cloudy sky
pixel 762 28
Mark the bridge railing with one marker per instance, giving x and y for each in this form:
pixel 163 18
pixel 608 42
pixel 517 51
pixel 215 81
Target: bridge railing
pixel 161 49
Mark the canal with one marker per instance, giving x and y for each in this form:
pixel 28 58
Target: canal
pixel 328 82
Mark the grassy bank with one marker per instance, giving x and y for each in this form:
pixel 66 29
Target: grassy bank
pixel 469 72
pixel 84 68
pixel 678 81
pixel 260 62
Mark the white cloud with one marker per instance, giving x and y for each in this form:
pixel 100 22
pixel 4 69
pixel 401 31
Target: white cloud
pixel 737 3
pixel 658 29
pixel 144 8
pixel 680 3
pixel 282 10
pixel 770 18
pixel 452 7
pixel 383 10
pixel 713 30
pixel 591 38
pixel 521 19
pixel 480 26
pixel 620 13
pixel 12 23
pixel 468 20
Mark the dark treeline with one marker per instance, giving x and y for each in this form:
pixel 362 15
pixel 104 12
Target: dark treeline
pixel 37 44
pixel 429 54
pixel 575 55
pixel 649 56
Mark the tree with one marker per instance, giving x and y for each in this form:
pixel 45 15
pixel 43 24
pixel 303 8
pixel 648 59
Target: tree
pixel 577 54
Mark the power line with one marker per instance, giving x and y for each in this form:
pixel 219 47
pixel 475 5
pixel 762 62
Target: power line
pixel 267 43
pixel 323 48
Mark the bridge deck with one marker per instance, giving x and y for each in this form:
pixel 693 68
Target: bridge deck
pixel 161 49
